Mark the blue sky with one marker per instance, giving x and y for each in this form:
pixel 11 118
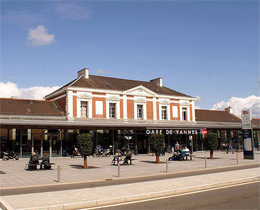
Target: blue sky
pixel 206 49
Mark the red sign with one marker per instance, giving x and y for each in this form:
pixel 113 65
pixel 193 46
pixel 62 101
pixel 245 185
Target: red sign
pixel 203 131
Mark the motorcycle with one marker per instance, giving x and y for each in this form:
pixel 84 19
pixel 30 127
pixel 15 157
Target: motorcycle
pixel 75 153
pixel 108 151
pixel 11 155
pixel 99 151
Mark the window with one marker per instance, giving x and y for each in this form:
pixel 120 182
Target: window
pixel 184 114
pixel 112 110
pixel 84 109
pixel 174 111
pixel 139 111
pixel 164 112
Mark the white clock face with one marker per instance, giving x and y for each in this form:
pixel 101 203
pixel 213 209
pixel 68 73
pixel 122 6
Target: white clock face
pixel 246 118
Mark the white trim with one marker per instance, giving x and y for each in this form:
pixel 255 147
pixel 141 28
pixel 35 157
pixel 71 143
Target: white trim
pixel 89 101
pixel 142 89
pixel 188 112
pixel 140 101
pixel 115 100
pixel 124 107
pixel 69 104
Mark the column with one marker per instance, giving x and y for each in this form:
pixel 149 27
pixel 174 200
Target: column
pixel 21 143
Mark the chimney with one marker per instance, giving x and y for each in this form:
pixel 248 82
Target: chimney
pixel 157 81
pixel 230 110
pixel 84 72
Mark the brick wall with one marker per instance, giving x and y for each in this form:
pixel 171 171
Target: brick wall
pixel 94 99
pixel 130 109
pixel 149 109
pixel 74 106
pixel 121 109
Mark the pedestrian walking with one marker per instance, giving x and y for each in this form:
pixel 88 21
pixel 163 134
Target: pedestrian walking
pixel 230 147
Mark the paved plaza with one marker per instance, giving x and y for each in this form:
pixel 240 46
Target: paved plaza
pixel 15 176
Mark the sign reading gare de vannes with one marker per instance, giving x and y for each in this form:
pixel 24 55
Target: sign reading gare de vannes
pixel 172 132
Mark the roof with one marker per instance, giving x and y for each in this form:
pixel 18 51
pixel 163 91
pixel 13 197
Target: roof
pixel 215 116
pixel 109 83
pixel 9 106
pixel 256 121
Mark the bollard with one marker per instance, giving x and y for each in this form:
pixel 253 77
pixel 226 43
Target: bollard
pixel 58 173
pixel 205 162
pixel 118 165
pixel 167 166
pixel 237 159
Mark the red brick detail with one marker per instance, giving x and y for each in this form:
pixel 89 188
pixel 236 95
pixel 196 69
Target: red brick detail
pixel 174 99
pixel 74 91
pixel 62 103
pixel 94 115
pixel 121 109
pixel 99 94
pixel 129 96
pixel 74 106
pixel 130 109
pixel 157 108
pixel 121 95
pixel 175 118
pixel 149 97
pixel 149 109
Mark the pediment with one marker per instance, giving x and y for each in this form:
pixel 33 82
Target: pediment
pixel 85 96
pixel 140 90
pixel 140 100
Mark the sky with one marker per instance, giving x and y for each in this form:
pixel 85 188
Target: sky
pixel 205 49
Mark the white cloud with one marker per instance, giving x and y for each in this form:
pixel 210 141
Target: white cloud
pixel 250 102
pixel 72 11
pixel 101 71
pixel 9 89
pixel 40 36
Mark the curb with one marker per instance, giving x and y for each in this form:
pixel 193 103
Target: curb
pixel 118 200
pixel 125 178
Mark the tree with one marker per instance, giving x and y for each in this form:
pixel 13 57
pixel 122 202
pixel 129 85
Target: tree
pixel 85 145
pixel 157 143
pixel 212 143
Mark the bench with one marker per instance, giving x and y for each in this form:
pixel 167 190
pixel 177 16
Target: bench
pixel 126 160
pixel 34 162
pixel 180 155
pixel 185 154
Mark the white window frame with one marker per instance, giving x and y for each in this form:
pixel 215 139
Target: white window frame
pixel 167 111
pixel 109 110
pixel 188 113
pixel 138 102
pixel 113 100
pixel 89 102
pixel 87 105
pixel 142 115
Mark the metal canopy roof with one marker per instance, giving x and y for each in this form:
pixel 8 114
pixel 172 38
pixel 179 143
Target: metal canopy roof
pixel 112 124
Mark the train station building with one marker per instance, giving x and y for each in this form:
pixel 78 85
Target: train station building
pixel 117 112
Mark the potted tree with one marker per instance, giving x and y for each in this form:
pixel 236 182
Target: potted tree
pixel 157 143
pixel 212 143
pixel 85 145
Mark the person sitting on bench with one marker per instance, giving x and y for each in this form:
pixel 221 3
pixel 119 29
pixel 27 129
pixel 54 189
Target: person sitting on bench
pixel 33 160
pixel 45 162
pixel 128 157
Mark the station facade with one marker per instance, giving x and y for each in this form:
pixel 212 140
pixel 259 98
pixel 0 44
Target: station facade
pixel 118 112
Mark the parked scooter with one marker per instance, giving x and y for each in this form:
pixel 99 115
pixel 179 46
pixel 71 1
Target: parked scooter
pixel 108 151
pixel 99 151
pixel 75 153
pixel 11 155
